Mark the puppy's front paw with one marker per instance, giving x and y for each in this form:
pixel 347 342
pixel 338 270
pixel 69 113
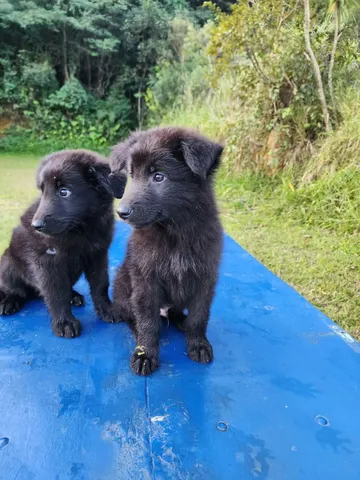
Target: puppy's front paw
pixel 67 328
pixel 200 350
pixel 142 362
pixel 10 304
pixel 77 300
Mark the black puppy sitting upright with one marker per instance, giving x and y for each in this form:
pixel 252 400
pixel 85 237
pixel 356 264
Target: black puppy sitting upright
pixel 66 232
pixel 174 251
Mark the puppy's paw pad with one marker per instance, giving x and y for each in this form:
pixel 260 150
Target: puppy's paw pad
pixel 143 363
pixel 201 352
pixel 67 328
pixel 9 305
pixel 77 300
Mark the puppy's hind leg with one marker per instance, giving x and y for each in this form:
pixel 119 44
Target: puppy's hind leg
pixel 13 290
pixel 10 303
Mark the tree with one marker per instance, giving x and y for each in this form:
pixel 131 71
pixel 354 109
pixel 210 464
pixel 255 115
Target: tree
pixel 346 9
pixel 315 65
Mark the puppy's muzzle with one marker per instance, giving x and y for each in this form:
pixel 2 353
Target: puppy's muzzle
pixel 124 211
pixel 38 224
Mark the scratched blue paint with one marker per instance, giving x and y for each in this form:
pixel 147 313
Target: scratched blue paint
pixel 284 389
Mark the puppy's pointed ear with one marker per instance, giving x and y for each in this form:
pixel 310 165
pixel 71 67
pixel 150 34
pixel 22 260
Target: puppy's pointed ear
pixel 118 184
pixel 120 154
pixel 119 159
pixel 40 168
pixel 100 177
pixel 201 154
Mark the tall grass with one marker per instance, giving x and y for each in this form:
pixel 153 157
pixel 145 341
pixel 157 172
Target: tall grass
pixel 322 190
pixel 341 148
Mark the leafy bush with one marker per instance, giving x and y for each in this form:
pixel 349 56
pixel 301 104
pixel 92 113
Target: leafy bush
pixel 71 100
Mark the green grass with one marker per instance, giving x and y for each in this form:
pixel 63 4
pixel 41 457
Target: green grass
pixel 283 232
pixel 308 237
pixel 17 190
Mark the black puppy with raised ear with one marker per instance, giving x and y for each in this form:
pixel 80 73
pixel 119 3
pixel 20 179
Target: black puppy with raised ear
pixel 65 233
pixel 174 251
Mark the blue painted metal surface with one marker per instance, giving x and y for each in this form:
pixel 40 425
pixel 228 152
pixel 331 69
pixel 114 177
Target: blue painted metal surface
pixel 281 400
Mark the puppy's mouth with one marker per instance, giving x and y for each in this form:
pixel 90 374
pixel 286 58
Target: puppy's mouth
pixel 52 230
pixel 51 233
pixel 139 223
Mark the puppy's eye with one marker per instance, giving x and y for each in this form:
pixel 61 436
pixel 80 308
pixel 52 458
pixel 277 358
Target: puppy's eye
pixel 158 177
pixel 64 192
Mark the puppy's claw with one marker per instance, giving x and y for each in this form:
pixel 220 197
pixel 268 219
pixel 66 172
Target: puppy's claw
pixel 200 351
pixel 109 316
pixel 10 305
pixel 142 363
pixel 77 300
pixel 67 328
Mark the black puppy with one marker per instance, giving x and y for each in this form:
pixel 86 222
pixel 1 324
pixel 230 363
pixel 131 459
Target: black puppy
pixel 174 251
pixel 64 233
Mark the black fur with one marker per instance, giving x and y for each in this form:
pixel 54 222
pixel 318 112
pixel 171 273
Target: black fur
pixel 76 232
pixel 174 251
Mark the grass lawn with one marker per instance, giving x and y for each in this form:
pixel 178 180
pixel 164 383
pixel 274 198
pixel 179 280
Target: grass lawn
pixel 17 190
pixel 322 265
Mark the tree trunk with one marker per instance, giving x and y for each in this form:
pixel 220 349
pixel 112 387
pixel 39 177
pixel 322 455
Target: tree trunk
pixel 315 65
pixel 140 113
pixel 333 51
pixel 65 56
pixel 88 63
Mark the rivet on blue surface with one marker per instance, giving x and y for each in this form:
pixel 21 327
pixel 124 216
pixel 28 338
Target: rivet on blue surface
pixel 323 421
pixel 222 426
pixel 3 442
pixel 268 307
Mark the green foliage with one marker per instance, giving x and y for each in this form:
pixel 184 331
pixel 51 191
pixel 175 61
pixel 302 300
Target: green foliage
pixel 68 65
pixel 71 99
pixel 269 66
pixel 182 76
pixel 248 80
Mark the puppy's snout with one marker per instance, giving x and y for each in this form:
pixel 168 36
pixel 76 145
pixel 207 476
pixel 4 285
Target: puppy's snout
pixel 38 224
pixel 124 211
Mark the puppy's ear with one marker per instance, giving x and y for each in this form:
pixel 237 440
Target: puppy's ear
pixel 39 170
pixel 100 177
pixel 120 154
pixel 201 154
pixel 118 183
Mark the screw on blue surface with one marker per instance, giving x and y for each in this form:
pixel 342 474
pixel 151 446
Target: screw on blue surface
pixel 323 421
pixel 222 426
pixel 72 409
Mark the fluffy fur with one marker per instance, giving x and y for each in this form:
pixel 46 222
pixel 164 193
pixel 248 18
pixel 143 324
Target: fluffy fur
pixel 174 251
pixel 64 233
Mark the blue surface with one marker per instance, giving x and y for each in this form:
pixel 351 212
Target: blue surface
pixel 285 380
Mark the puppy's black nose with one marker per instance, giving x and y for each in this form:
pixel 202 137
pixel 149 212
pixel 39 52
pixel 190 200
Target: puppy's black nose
pixel 124 211
pixel 38 224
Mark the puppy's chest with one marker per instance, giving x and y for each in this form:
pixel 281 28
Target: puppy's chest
pixel 176 264
pixel 66 258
